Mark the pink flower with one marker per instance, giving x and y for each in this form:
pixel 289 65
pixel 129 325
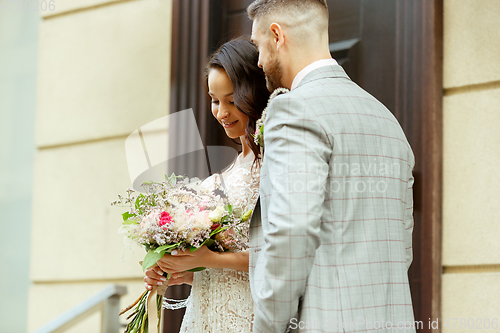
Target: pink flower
pixel 203 205
pixel 165 218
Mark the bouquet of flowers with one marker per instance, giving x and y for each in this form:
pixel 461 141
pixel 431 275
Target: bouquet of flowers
pixel 177 214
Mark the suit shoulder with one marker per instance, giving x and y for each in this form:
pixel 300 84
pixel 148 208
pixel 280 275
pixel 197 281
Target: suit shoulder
pixel 289 98
pixel 289 103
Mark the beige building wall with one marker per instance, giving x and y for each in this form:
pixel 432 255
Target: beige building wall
pixel 104 71
pixel 471 223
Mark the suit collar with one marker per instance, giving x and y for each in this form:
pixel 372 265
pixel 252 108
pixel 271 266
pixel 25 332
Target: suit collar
pixel 325 72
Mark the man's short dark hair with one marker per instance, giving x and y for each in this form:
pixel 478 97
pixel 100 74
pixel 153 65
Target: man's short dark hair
pixel 260 8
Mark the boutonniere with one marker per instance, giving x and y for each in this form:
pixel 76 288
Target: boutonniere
pixel 259 125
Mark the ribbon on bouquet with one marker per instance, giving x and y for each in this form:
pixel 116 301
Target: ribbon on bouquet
pixel 152 305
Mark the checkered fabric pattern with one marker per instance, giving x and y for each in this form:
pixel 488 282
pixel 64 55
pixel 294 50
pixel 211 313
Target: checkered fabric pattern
pixel 330 242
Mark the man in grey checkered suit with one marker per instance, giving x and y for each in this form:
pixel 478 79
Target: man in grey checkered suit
pixel 330 246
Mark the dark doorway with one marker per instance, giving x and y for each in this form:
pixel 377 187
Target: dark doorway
pixel 390 48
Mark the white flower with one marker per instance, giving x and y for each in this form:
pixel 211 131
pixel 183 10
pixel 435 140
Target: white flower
pixel 259 125
pixel 203 219
pixel 216 215
pixel 237 211
pixel 151 219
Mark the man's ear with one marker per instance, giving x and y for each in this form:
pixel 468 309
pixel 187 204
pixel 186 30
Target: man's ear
pixel 277 34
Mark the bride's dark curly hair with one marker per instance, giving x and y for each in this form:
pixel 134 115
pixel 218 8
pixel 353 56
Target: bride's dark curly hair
pixel 239 59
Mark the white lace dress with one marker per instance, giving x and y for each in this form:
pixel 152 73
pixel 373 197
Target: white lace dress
pixel 220 299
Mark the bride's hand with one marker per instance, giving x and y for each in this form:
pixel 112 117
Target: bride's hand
pixel 154 277
pixel 181 278
pixel 180 261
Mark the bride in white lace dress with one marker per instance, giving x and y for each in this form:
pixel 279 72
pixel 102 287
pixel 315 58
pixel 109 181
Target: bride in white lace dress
pixel 220 299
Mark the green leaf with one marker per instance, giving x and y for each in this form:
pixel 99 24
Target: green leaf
pixel 127 216
pixel 148 182
pixel 208 242
pixel 164 248
pixel 197 269
pixel 219 229
pixel 229 208
pixel 130 221
pixel 138 203
pixel 150 259
pixel 173 179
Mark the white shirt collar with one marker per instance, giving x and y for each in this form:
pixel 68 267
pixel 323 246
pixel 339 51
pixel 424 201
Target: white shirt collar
pixel 308 69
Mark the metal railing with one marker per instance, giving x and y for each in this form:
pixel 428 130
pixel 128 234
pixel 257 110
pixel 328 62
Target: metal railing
pixel 107 301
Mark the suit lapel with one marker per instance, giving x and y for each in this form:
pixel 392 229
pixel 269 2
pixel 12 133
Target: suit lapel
pixel 254 221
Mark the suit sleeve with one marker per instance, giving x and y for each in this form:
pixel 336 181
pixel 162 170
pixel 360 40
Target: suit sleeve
pixel 408 220
pixel 297 152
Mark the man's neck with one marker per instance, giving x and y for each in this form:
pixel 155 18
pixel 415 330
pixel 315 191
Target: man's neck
pixel 303 63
